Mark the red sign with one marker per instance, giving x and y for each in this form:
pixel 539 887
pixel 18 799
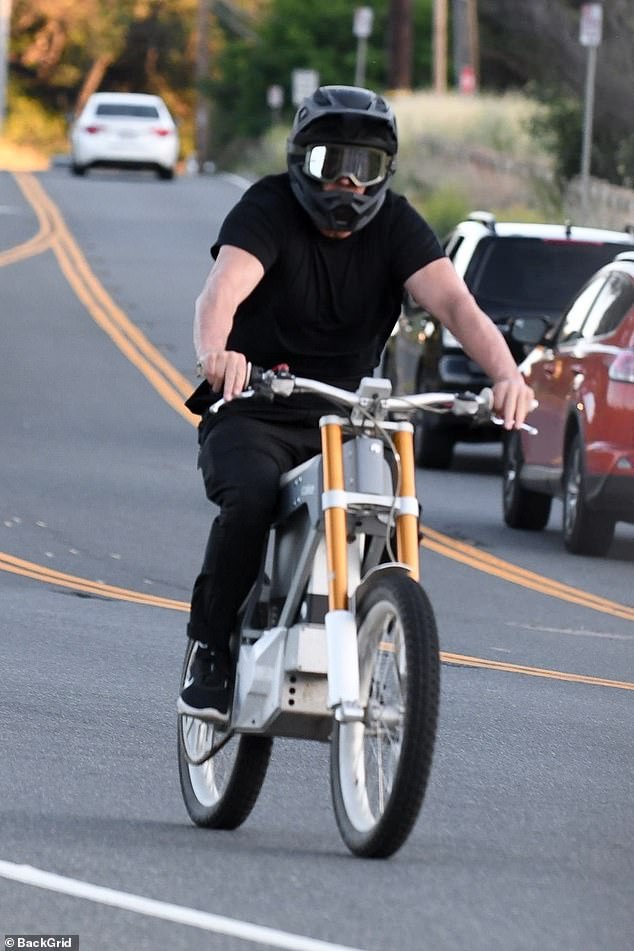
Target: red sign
pixel 467 79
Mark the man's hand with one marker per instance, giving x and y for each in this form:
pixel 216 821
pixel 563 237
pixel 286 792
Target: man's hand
pixel 225 370
pixel 513 399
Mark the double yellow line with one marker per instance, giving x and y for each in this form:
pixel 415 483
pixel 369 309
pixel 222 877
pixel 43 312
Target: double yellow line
pixel 173 388
pixel 40 241
pixel 29 569
pixel 469 555
pixel 40 573
pixel 53 234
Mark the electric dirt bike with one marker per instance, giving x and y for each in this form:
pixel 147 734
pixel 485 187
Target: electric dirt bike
pixel 337 641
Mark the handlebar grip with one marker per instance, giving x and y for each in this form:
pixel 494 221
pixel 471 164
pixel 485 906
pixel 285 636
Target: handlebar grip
pixel 486 395
pixel 254 375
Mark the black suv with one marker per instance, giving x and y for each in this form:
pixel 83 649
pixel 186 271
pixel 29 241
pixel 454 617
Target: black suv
pixel 513 270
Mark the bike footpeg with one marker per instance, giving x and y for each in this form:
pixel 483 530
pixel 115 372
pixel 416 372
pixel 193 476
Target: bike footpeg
pixel 349 713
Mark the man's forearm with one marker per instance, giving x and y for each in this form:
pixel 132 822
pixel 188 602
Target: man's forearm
pixel 212 321
pixel 483 342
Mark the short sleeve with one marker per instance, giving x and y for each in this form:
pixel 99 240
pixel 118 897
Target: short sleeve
pixel 256 223
pixel 413 244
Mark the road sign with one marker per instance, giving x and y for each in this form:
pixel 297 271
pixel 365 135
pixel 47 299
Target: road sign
pixel 591 24
pixel 362 23
pixel 304 83
pixel 467 80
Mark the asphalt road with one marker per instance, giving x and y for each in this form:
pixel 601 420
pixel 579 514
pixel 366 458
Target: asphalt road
pixel 524 842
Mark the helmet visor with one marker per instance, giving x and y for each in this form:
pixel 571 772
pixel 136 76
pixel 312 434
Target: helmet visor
pixel 364 166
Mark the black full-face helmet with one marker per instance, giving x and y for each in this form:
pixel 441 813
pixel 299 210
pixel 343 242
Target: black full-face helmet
pixel 342 131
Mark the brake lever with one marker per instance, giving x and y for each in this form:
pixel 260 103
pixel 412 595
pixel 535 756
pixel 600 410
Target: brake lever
pixel 498 421
pixel 529 429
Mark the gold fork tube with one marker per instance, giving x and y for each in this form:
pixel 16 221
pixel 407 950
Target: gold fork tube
pixel 335 518
pixel 407 524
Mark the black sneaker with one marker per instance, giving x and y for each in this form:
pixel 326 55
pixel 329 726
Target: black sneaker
pixel 208 693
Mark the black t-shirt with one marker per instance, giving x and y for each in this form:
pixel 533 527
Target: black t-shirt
pixel 325 306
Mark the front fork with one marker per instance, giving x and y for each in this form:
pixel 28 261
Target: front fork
pixel 341 631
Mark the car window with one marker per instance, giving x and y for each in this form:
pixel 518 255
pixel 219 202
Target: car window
pixel 127 110
pixel 573 319
pixel 537 273
pixel 611 306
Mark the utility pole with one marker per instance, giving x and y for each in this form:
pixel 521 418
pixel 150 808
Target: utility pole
pixel 474 40
pixel 5 32
pixel 440 45
pixel 203 20
pixel 400 45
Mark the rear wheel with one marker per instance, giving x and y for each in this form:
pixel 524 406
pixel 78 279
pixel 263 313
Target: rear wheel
pixel 77 169
pixel 585 532
pixel 380 767
pixel 219 790
pixel 522 508
pixel 433 444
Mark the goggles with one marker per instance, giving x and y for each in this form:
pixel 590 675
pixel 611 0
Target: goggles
pixel 363 165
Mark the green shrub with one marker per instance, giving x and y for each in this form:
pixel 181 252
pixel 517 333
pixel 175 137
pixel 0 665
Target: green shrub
pixel 443 208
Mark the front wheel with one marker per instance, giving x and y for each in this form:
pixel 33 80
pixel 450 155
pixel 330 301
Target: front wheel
pixel 380 767
pixel 219 791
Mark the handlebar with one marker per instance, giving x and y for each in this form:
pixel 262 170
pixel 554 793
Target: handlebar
pixel 373 395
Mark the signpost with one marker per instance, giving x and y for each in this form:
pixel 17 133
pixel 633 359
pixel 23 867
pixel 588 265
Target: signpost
pixel 590 35
pixel 362 28
pixel 304 83
pixel 275 101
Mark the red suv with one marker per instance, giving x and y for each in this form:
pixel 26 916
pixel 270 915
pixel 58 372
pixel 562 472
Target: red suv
pixel 582 372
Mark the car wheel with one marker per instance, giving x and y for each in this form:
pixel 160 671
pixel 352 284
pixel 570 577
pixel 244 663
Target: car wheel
pixel 165 173
pixel 522 507
pixel 585 532
pixel 77 169
pixel 433 445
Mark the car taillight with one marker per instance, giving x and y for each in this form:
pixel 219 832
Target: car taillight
pixel 622 370
pixel 93 129
pixel 162 132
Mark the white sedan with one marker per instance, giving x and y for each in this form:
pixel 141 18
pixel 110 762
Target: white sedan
pixel 124 130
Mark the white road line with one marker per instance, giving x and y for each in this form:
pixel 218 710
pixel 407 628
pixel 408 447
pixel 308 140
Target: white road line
pixel 259 934
pixel 237 180
pixel 576 632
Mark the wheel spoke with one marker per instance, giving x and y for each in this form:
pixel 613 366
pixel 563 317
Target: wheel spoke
pixel 384 714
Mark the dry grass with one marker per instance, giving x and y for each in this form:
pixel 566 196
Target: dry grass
pixel 21 158
pixel 494 122
pixel 462 152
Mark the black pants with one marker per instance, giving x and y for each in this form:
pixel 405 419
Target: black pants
pixel 242 455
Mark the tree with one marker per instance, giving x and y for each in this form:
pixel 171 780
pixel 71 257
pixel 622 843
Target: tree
pixel 63 50
pixel 537 42
pixel 291 36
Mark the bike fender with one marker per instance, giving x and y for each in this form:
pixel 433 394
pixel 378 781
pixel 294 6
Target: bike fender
pixel 388 567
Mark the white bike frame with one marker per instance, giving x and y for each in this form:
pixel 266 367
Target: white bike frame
pixel 298 664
